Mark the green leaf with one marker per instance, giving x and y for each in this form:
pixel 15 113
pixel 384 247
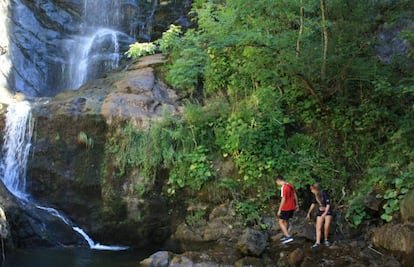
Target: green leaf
pixel 386 217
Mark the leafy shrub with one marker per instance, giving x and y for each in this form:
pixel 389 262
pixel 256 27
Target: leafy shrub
pixel 275 114
pixel 137 50
pixel 194 217
pixel 192 169
pixel 249 210
pixel 170 39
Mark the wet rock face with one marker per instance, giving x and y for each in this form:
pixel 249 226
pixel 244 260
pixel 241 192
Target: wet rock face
pixel 25 225
pixel 34 31
pixel 68 168
pixel 407 207
pixel 395 237
pixel 392 46
pixel 252 242
pixel 37 37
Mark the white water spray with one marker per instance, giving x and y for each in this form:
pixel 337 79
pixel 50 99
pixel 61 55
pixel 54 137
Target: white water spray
pixel 95 53
pixel 79 230
pixel 13 164
pixel 17 137
pixel 97 246
pixel 96 49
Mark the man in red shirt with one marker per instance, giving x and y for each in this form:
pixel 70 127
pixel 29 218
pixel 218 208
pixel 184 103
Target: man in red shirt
pixel 288 205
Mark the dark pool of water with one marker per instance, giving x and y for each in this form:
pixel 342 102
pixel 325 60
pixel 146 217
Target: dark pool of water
pixel 74 257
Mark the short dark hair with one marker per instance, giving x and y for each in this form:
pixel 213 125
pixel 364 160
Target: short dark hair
pixel 280 177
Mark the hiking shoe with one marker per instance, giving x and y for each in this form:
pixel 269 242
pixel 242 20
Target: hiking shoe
pixel 316 245
pixel 327 243
pixel 287 240
pixel 283 238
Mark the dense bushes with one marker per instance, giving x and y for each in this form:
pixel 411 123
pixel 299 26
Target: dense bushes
pixel 289 87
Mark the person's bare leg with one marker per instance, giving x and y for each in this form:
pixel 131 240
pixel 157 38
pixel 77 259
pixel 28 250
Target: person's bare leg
pixel 328 220
pixel 283 224
pixel 319 222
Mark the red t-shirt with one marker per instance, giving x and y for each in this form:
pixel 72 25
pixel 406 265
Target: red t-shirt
pixel 288 192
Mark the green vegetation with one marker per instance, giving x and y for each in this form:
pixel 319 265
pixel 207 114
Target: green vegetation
pixel 83 139
pixel 292 87
pixel 140 49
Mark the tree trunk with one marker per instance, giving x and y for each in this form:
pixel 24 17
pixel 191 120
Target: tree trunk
pixel 299 40
pixel 325 39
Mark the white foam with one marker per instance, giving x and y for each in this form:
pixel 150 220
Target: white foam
pixel 98 246
pixel 16 147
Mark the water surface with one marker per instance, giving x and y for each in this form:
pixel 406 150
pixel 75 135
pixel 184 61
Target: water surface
pixel 74 257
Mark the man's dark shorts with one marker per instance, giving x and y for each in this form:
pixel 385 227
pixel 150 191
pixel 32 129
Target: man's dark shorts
pixel 286 214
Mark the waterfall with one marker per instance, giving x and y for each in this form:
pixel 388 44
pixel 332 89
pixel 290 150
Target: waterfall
pixel 94 54
pixel 97 246
pixel 18 134
pixel 13 164
pixel 88 239
pixel 96 49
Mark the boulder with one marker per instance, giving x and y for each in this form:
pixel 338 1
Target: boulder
pixel 221 223
pixel 392 45
pixel 221 227
pixel 187 235
pixel 187 259
pixel 181 261
pixel 249 261
pixel 216 229
pixel 27 225
pixel 372 202
pixel 407 207
pixel 158 259
pixel 295 258
pixel 252 242
pixel 395 237
pixel 213 256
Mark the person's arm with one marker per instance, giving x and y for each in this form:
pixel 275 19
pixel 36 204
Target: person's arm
pixel 310 211
pixel 327 202
pixel 282 202
pixel 327 208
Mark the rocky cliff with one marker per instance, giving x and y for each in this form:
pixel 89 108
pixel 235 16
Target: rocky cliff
pixel 39 37
pixel 70 170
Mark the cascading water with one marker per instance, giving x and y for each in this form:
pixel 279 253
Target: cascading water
pixel 96 49
pixel 13 164
pixel 18 134
pixel 95 54
pixel 97 246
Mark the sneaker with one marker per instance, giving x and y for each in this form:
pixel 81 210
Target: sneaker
pixel 316 245
pixel 283 238
pixel 327 243
pixel 287 240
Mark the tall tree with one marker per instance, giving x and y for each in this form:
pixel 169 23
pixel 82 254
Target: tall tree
pixel 325 39
pixel 301 26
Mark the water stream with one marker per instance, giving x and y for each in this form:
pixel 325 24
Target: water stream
pixel 94 54
pixel 96 49
pixel 18 134
pixel 13 164
pixel 74 257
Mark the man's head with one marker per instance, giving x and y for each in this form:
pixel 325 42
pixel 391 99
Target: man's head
pixel 280 180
